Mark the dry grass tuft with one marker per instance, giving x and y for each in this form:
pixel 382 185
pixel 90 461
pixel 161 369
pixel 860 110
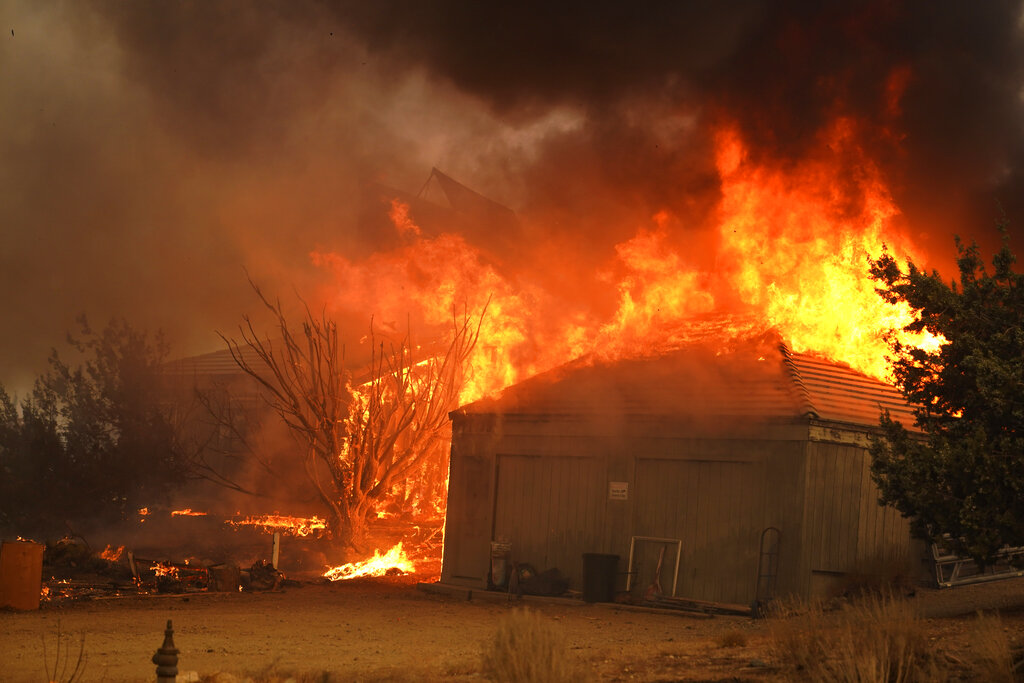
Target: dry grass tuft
pixel 874 640
pixel 527 647
pixel 731 638
pixel 991 653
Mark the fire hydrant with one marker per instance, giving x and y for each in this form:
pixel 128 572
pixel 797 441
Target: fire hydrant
pixel 166 658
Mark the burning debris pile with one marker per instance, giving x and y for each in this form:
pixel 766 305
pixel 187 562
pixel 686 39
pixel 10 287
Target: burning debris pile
pixel 72 570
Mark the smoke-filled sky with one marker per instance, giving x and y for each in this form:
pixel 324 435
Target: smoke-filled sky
pixel 151 153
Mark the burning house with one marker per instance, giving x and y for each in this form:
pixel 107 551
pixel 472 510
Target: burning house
pixel 724 476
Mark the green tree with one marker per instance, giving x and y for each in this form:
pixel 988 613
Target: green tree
pixel 90 442
pixel 962 474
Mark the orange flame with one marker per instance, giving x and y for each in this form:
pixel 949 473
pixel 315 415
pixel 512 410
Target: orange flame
pixel 187 512
pixel 796 243
pixel 792 254
pixel 295 526
pixel 112 555
pixel 162 569
pixel 391 562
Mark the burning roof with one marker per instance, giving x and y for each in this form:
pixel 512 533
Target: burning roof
pixel 754 380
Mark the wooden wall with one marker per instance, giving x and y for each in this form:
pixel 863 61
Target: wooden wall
pixel 716 509
pixel 845 530
pixel 551 509
pixel 542 485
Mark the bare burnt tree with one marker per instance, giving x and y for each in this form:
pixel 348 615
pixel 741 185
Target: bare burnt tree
pixel 362 439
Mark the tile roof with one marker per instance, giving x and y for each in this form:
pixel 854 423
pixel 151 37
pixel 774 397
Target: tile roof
pixel 838 393
pixel 213 363
pixel 759 379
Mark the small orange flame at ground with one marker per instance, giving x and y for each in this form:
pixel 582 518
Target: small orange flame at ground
pixel 112 555
pixel 391 562
pixel 161 569
pixel 296 526
pixel 143 513
pixel 187 512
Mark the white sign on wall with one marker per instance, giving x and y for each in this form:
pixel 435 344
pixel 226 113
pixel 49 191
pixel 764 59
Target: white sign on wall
pixel 618 490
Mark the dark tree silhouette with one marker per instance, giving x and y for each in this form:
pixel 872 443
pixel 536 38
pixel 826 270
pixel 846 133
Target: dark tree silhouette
pixel 965 477
pixel 90 442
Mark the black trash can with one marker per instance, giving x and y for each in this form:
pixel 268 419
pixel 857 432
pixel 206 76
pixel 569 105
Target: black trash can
pixel 599 577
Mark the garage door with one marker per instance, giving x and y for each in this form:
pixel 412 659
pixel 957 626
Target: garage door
pixel 714 509
pixel 551 509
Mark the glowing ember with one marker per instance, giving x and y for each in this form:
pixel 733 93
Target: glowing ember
pixel 295 526
pixel 143 513
pixel 392 562
pixel 112 555
pixel 187 512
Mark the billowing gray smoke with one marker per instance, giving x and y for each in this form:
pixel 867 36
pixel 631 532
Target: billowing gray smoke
pixel 781 70
pixel 152 150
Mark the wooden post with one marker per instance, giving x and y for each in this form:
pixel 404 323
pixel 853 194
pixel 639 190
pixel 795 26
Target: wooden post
pixel 277 549
pixel 131 564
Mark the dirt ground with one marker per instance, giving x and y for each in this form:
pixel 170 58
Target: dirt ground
pixel 388 629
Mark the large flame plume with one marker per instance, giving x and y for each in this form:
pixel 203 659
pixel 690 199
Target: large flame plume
pixel 792 249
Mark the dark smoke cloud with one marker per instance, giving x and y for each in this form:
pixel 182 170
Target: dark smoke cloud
pixel 153 151
pixel 539 54
pixel 781 70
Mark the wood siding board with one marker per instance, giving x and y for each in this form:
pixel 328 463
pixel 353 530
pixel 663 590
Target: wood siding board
pixel 731 491
pixel 841 536
pixel 539 506
pixel 712 507
pixel 468 530
pixel 746 531
pixel 690 531
pixel 718 535
pixel 817 508
pixel 831 498
pixel 854 477
pixel 706 521
pixel 835 500
pixel 730 495
pixel 866 534
pixel 542 503
pixel 553 505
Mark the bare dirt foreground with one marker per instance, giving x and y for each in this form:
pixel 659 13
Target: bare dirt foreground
pixel 387 629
